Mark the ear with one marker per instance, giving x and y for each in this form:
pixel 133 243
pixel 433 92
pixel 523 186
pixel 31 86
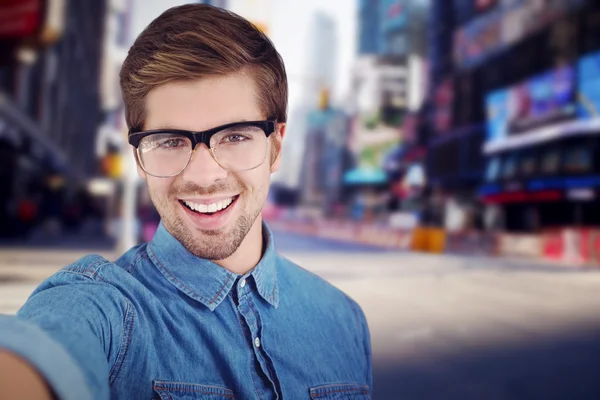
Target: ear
pixel 140 171
pixel 276 147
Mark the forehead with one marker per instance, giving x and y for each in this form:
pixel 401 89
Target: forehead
pixel 202 104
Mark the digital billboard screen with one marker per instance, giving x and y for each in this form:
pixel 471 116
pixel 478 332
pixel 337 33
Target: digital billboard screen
pixel 588 69
pixel 497 111
pixel 544 99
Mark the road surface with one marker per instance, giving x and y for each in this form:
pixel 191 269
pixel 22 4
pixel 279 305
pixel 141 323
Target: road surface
pixel 442 327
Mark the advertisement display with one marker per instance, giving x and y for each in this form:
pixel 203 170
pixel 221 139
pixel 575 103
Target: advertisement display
pixel 497 110
pixel 476 41
pixel 509 23
pixel 19 18
pixel 394 15
pixel 544 101
pixel 589 86
pixel 561 102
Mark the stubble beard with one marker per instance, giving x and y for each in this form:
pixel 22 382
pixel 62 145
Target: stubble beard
pixel 208 244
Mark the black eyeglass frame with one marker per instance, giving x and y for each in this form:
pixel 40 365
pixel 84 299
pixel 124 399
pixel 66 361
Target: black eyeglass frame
pixel 268 127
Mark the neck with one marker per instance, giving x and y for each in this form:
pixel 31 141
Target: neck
pixel 250 252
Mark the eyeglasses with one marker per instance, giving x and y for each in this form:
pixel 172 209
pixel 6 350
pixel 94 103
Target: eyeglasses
pixel 236 147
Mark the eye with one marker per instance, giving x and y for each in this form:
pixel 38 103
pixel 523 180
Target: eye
pixel 235 138
pixel 172 143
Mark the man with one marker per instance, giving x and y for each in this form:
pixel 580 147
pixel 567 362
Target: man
pixel 207 309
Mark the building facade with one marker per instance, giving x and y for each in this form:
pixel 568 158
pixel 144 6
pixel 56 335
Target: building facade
pixel 514 94
pixel 49 95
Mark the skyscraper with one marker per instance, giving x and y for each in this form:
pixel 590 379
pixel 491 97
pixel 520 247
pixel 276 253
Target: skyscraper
pixel 318 77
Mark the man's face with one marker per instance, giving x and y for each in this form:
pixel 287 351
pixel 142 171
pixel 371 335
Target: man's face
pixel 198 106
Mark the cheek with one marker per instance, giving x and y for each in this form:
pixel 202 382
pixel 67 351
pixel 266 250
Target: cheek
pixel 159 187
pixel 257 181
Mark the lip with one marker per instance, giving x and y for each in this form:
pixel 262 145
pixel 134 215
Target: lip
pixel 210 222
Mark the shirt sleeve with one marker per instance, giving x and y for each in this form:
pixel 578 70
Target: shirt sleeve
pixel 70 330
pixel 367 346
pixel 365 341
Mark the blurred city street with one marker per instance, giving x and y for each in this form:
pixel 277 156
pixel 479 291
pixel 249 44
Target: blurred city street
pixel 452 327
pixel 439 165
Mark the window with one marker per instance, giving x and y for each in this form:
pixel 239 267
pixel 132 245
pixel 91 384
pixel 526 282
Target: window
pixel 551 161
pixel 510 167
pixel 493 169
pixel 528 165
pixel 578 159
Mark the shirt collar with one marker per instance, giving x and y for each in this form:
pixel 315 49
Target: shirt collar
pixel 205 281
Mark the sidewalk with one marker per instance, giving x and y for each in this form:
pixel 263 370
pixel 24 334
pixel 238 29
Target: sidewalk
pixel 347 231
pixel 382 236
pixel 36 264
pixel 385 237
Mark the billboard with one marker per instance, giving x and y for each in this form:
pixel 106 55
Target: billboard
pixel 478 40
pixel 542 100
pixel 588 69
pixel 509 23
pixel 497 112
pixel 394 15
pixel 19 18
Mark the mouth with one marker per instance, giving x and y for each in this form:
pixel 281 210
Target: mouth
pixel 209 209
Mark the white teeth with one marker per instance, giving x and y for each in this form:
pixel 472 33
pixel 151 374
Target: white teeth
pixel 209 208
pixel 224 204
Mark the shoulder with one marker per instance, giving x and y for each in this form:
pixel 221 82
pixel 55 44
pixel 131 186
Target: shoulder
pixel 305 283
pixel 98 268
pixel 92 288
pixel 96 271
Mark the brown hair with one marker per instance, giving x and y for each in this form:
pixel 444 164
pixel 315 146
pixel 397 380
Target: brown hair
pixel 194 41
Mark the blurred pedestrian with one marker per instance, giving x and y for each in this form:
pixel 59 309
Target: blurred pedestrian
pixel 207 308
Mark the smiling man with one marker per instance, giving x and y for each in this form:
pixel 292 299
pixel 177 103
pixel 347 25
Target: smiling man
pixel 207 309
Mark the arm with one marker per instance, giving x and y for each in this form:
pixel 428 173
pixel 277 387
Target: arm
pixel 19 380
pixel 69 333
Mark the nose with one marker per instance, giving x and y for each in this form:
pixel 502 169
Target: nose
pixel 203 169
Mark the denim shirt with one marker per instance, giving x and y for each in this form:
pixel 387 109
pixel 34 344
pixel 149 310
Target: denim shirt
pixel 161 323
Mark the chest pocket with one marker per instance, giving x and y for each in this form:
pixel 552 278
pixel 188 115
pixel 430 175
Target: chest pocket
pixel 190 391
pixel 349 391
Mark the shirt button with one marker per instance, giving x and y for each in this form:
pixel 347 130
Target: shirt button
pixel 243 283
pixel 257 342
